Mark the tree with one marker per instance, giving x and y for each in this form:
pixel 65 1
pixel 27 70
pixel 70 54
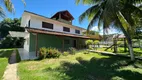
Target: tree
pixel 96 42
pixel 91 33
pixel 117 14
pixel 9 6
pixel 10 25
pixel 89 43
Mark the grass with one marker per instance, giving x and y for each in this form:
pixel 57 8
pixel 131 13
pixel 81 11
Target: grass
pixel 137 51
pixel 4 59
pixel 81 66
pixel 4 54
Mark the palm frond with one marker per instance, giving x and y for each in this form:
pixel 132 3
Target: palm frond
pixel 9 6
pixel 127 27
pixel 94 20
pixel 24 2
pixel 2 13
pixel 100 21
pixel 133 1
pixel 88 2
pixel 88 13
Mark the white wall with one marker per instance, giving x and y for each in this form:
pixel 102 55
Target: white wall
pixel 37 23
pixel 27 42
pixel 25 20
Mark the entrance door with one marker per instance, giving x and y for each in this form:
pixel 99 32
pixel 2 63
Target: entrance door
pixel 74 43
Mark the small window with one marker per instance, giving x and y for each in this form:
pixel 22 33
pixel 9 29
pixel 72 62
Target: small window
pixel 66 41
pixel 47 25
pixel 66 29
pixel 77 31
pixel 28 23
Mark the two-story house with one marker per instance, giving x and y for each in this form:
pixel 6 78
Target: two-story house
pixel 56 31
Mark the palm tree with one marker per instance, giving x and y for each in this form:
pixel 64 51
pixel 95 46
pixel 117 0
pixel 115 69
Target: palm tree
pixel 117 14
pixel 9 6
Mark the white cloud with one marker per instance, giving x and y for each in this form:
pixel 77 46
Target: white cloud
pixel 95 28
pixel 110 31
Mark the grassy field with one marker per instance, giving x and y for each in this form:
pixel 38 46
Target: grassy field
pixel 4 55
pixel 137 51
pixel 81 66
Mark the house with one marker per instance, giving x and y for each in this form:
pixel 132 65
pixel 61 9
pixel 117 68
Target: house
pixel 57 31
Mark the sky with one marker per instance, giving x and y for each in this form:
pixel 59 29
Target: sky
pixel 50 7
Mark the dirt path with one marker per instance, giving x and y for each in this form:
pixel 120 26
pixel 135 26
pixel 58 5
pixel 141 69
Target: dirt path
pixel 11 69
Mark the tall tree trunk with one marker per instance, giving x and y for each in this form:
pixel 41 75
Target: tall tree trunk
pixel 131 49
pixel 129 40
pixel 115 45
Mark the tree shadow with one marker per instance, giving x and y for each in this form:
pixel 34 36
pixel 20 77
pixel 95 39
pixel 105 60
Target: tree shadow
pixel 138 53
pixel 8 54
pixel 97 69
pixel 5 53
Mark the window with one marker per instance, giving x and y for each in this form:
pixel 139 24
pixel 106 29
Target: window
pixel 66 41
pixel 77 31
pixel 66 29
pixel 29 23
pixel 47 25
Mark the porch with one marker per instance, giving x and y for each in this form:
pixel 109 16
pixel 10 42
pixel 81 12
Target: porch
pixel 25 55
pixel 62 41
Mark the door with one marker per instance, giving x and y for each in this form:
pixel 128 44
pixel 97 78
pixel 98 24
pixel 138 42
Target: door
pixel 74 43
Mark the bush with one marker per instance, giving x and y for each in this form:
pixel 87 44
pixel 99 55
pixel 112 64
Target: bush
pixel 53 53
pixel 86 52
pixel 43 52
pixel 89 42
pixel 49 53
pixel 72 50
pixel 65 53
pixel 12 42
pixel 96 42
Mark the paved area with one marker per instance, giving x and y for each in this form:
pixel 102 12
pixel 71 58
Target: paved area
pixel 26 55
pixel 11 70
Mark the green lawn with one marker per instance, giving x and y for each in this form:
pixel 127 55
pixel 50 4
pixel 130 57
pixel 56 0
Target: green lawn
pixel 137 51
pixel 81 66
pixel 4 55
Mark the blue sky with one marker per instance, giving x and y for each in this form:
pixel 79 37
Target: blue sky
pixel 50 7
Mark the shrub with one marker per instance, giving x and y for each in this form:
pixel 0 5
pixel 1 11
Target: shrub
pixel 53 53
pixel 96 42
pixel 12 42
pixel 43 54
pixel 86 52
pixel 89 42
pixel 65 53
pixel 72 50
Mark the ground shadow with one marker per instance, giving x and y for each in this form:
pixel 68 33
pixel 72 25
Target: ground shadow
pixel 5 53
pixel 9 55
pixel 98 69
pixel 138 53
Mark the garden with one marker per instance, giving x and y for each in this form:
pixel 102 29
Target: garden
pixel 80 66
